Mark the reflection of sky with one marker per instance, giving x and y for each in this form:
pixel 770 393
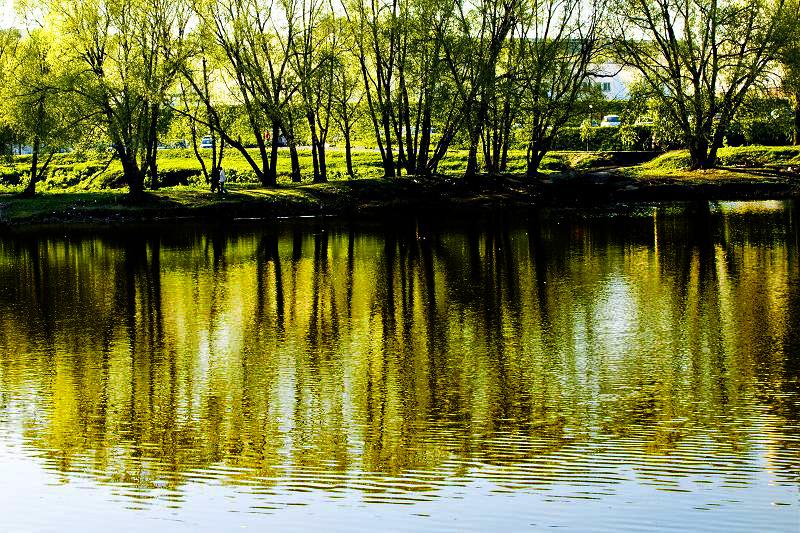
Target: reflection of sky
pixel 615 311
pixel 478 504
pixel 8 16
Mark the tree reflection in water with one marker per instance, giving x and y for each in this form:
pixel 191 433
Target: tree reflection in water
pixel 407 356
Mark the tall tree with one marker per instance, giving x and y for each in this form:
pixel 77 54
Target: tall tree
pixel 558 41
pixel 122 69
pixel 35 105
pixel 203 113
pixel 347 95
pixel 472 54
pixel 375 23
pixel 313 49
pixel 789 57
pixel 700 57
pixel 253 37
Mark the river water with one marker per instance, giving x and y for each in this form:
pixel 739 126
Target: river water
pixel 613 370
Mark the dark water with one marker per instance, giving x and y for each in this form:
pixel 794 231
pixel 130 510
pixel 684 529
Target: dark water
pixel 630 371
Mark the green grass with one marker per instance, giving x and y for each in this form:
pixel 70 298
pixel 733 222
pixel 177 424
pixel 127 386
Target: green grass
pixel 80 188
pixel 14 208
pixel 169 202
pixel 74 172
pixel 734 162
pixel 744 165
pixel 97 172
pixel 249 200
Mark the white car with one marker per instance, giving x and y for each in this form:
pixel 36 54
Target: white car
pixel 610 121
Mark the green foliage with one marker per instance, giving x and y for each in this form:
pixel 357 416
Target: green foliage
pixel 768 132
pixel 726 45
pixel 628 137
pixel 585 132
pixel 121 77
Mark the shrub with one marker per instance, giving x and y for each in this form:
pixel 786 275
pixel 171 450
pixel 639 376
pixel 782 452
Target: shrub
pixel 767 132
pixel 625 137
pixel 241 175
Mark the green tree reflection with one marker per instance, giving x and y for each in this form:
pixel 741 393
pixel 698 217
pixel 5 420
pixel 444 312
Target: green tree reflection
pixel 327 356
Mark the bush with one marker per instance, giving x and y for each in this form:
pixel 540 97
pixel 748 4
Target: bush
pixel 241 175
pixel 170 177
pixel 10 176
pixel 605 139
pixel 757 156
pixel 767 132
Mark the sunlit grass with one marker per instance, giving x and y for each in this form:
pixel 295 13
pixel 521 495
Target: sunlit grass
pixel 74 172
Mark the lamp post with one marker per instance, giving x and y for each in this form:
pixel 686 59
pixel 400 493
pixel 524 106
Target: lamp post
pixel 589 130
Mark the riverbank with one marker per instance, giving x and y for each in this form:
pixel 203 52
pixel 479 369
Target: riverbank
pixel 582 180
pixel 378 197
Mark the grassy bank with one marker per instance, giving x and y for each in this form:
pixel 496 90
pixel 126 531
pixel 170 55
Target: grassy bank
pixel 570 178
pixel 75 172
pixel 736 163
pixel 361 196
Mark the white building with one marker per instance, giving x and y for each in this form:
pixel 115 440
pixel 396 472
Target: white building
pixel 614 80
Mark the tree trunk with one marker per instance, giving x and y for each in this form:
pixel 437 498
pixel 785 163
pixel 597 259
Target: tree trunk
pixel 312 126
pixel 497 147
pixel 288 131
pixel 323 165
pixel 348 153
pixel 152 147
pixel 474 138
pixel 506 134
pixel 534 160
pixel 698 153
pixel 272 178
pixel 472 160
pixel 30 189
pixel 405 127
pixel 214 178
pixel 296 178
pixel 388 160
pixel 716 144
pixel 796 128
pixel 133 176
pixel 264 171
pixel 425 141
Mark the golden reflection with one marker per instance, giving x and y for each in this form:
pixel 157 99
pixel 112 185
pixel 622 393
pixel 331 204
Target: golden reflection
pixel 323 356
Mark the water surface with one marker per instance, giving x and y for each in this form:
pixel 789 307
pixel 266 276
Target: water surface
pixel 635 370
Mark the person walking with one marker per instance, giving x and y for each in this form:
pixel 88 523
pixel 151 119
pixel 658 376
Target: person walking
pixel 222 189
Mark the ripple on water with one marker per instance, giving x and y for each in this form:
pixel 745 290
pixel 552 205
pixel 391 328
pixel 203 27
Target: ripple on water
pixel 507 375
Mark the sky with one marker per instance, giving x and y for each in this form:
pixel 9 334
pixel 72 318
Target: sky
pixel 8 16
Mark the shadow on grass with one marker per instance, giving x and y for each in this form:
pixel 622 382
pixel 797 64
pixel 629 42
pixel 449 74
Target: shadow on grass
pixel 71 205
pixel 764 172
